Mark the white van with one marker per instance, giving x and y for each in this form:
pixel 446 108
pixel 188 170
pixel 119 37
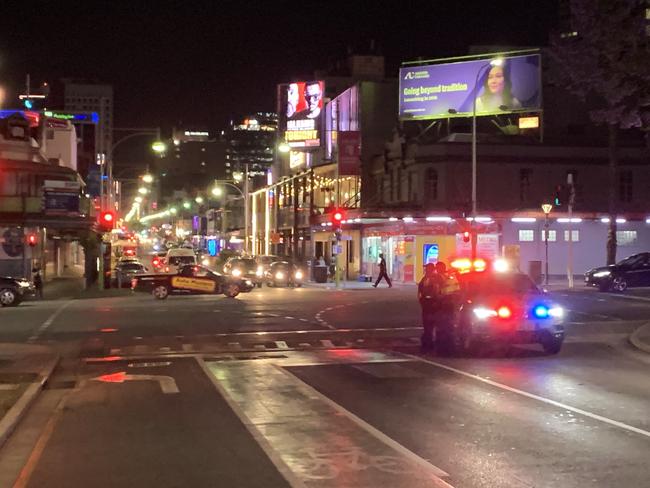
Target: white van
pixel 177 257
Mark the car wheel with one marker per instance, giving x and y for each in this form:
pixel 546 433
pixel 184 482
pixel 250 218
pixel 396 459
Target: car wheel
pixel 619 284
pixel 551 344
pixel 8 297
pixel 161 292
pixel 231 290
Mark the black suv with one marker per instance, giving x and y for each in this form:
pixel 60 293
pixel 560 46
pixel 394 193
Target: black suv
pixel 14 290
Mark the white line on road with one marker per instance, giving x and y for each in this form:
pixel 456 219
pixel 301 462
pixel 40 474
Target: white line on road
pixel 44 326
pixel 542 399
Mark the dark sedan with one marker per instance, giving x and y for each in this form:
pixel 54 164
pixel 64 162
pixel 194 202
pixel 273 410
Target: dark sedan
pixel 283 273
pixel 630 272
pixel 14 290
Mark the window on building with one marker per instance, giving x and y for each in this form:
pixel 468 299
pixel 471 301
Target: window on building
pixel 626 237
pixel 552 236
pixel 525 178
pixel 526 235
pixel 431 184
pixel 575 234
pixel 625 186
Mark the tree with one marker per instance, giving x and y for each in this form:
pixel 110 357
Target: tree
pixel 604 59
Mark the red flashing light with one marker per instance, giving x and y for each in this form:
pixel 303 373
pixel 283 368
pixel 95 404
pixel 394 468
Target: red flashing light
pixel 32 240
pixel 107 220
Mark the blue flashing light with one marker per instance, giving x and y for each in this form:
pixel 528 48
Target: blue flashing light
pixel 541 312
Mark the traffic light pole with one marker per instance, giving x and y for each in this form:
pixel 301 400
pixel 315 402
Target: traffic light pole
pixel 337 233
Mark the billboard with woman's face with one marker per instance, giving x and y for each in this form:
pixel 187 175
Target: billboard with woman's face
pixel 497 85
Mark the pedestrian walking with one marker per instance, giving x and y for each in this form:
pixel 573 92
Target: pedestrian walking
pixel 38 283
pixel 382 272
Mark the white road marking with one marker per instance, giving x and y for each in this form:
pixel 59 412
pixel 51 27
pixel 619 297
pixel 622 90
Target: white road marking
pixel 289 317
pixel 327 343
pixel 281 345
pixel 45 325
pixel 539 398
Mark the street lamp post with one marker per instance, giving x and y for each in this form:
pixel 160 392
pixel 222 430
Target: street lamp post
pixel 546 208
pixel 217 192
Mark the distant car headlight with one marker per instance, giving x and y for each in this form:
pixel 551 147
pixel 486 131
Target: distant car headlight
pixel 299 275
pixel 260 272
pixel 279 275
pixel 236 272
pixel 249 283
pixel 601 274
pixel 205 262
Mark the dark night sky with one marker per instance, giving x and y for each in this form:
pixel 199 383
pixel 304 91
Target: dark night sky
pixel 204 62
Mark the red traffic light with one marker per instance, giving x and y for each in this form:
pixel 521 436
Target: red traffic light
pixel 466 236
pixel 338 216
pixel 107 220
pixel 32 240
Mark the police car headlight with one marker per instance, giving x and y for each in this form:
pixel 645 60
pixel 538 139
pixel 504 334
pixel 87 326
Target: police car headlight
pixel 236 272
pixel 279 275
pixel 483 313
pixel 602 274
pixel 299 275
pixel 557 312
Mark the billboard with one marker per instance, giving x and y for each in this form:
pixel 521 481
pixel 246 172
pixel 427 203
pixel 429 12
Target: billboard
pixel 302 110
pixel 498 85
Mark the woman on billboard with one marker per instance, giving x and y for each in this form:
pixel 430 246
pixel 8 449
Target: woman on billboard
pixel 497 91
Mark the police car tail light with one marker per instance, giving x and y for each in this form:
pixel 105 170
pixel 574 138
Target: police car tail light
pixel 483 313
pixel 299 275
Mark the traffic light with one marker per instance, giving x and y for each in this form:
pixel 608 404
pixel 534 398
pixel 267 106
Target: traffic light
pixel 32 240
pixel 467 236
pixel 557 201
pixel 106 221
pixel 337 217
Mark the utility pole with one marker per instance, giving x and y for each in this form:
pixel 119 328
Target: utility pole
pixel 572 195
pixel 337 278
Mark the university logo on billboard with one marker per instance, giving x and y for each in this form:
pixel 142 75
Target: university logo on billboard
pixel 497 85
pixel 303 110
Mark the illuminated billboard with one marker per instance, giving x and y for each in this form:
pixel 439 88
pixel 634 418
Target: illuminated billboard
pixel 303 108
pixel 498 85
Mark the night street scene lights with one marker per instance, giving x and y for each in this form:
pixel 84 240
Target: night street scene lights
pixel 159 147
pixel 217 191
pixel 199 200
pixel 546 208
pixel 148 178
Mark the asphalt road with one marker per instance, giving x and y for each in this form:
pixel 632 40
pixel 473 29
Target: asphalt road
pixel 280 374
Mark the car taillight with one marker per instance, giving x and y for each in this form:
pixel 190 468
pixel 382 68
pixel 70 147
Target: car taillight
pixel 134 282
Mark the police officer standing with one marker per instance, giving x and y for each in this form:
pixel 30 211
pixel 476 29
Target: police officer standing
pixel 429 296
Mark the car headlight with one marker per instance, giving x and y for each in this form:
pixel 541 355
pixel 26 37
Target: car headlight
pixel 205 262
pixel 260 272
pixel 24 284
pixel 249 283
pixel 236 272
pixel 601 274
pixel 557 312
pixel 279 275
pixel 299 275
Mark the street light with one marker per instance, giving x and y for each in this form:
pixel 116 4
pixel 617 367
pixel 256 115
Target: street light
pixel 284 147
pixel 147 178
pixel 142 190
pixel 546 208
pixel 173 210
pixel 186 205
pixel 199 200
pixel 217 191
pixel 138 199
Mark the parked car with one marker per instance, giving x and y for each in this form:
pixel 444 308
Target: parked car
pixel 125 271
pixel 630 272
pixel 14 290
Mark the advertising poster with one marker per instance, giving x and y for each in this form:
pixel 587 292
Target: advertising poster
pixel 303 108
pixel 349 148
pixel 487 246
pixel 498 85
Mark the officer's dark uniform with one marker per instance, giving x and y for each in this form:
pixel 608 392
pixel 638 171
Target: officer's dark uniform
pixel 430 298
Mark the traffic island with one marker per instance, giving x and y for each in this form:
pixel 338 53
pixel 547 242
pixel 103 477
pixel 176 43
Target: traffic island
pixel 24 370
pixel 640 338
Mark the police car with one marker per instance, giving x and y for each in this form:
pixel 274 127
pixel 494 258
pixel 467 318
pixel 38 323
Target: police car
pixel 192 280
pixel 499 305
